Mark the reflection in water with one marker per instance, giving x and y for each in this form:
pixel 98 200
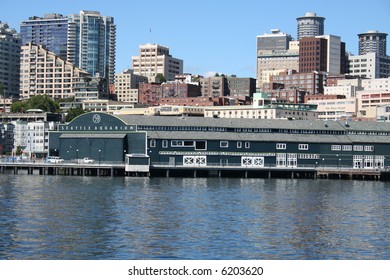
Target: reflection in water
pixel 63 217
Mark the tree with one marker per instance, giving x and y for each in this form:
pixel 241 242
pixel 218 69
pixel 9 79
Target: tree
pixel 160 78
pixel 73 113
pixel 43 102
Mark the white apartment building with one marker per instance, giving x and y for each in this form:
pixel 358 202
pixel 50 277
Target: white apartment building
pixel 155 59
pixel 44 73
pixel 348 91
pixel 37 143
pixel 126 86
pixel 20 134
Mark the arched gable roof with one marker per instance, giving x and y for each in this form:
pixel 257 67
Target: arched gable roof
pixel 97 118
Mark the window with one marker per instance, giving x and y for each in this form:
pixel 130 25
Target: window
pixel 200 145
pixel 247 145
pixel 223 144
pixel 303 146
pixel 165 143
pixel 347 147
pixel 152 143
pixel 280 146
pixel 336 148
pixel 358 148
pixel 239 144
pixel 368 148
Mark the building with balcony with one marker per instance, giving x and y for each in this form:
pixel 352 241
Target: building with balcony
pixel 126 86
pixel 44 73
pixel 372 41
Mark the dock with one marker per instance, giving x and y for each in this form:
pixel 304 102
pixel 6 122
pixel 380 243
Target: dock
pixel 167 170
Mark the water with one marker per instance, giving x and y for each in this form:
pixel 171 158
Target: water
pixel 64 217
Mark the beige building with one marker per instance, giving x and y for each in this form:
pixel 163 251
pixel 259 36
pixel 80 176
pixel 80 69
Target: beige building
pixel 335 109
pixel 126 86
pixel 369 100
pixel 44 73
pixel 155 59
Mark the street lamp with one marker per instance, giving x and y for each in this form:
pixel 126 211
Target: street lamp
pixel 99 156
pixel 77 157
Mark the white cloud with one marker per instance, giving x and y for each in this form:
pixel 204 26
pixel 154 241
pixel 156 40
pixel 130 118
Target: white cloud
pixel 209 74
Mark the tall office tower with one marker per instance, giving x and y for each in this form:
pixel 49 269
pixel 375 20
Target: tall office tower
pixel 324 53
pixel 91 44
pixel 310 25
pixel 275 51
pixel 50 31
pixel 372 41
pixel 10 44
pixel 155 59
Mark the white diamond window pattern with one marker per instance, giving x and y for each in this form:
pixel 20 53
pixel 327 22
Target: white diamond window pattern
pixel 252 161
pixel 194 161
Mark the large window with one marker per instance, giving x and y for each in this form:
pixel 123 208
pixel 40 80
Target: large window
pixel 280 146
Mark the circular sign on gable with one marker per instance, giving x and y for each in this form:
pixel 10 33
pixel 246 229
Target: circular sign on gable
pixel 96 118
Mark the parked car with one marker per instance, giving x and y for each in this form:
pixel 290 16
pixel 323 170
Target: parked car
pixel 88 160
pixel 53 159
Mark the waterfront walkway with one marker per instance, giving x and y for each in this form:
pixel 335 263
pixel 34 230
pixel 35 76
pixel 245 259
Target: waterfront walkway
pixel 72 168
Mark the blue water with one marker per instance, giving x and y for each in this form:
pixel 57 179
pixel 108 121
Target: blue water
pixel 64 217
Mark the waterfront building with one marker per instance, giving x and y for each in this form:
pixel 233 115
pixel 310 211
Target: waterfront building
pixel 50 31
pixel 44 73
pixel 372 41
pixel 37 139
pixel 153 143
pixel 310 25
pixel 6 138
pixel 275 51
pixel 20 135
pixel 10 44
pixel 93 53
pixel 155 59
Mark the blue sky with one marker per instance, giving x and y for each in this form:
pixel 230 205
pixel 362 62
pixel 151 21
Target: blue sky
pixel 210 36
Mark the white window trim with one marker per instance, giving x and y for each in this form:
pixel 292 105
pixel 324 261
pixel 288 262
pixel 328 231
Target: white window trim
pixel 224 144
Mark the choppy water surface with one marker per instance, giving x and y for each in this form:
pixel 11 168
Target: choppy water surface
pixel 63 217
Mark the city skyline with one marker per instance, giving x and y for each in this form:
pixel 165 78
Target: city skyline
pixel 211 36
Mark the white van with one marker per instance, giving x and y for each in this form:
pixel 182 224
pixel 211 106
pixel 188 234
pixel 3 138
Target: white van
pixel 52 159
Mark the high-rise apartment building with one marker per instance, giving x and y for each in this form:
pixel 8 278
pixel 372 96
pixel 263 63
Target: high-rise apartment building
pixel 50 31
pixel 310 25
pixel 155 59
pixel 275 51
pixel 9 60
pixel 44 73
pixel 372 41
pixel 91 44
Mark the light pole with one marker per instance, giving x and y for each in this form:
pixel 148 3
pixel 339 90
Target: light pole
pixel 77 153
pixel 99 156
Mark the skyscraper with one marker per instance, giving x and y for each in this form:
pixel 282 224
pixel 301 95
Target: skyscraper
pixel 9 60
pixel 372 41
pixel 91 43
pixel 275 51
pixel 310 25
pixel 50 31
